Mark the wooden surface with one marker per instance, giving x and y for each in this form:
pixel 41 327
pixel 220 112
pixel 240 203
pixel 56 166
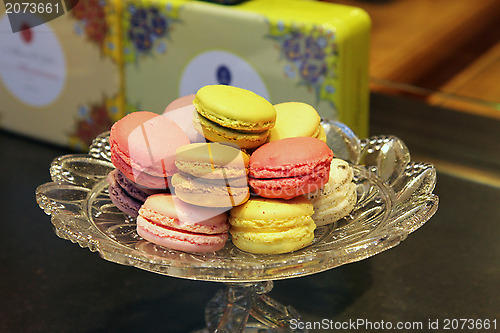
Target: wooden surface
pixel 445 51
pixel 476 88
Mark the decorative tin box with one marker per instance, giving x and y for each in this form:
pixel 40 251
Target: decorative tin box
pixel 61 81
pixel 284 50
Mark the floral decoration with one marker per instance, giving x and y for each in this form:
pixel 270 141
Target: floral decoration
pixel 93 119
pixel 146 29
pixel 310 54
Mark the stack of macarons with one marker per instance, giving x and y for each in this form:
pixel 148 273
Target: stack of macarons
pixel 226 161
pixel 143 149
pixel 144 163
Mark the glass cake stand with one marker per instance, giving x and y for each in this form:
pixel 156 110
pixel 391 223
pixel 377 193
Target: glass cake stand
pixel 394 199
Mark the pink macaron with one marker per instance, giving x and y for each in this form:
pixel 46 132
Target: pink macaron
pixel 167 221
pixel 289 167
pixel 182 111
pixel 180 102
pixel 143 146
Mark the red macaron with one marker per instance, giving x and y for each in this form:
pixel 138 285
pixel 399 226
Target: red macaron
pixel 289 167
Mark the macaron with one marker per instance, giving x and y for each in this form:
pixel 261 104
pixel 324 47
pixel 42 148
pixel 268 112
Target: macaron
pixel 167 221
pixel 289 167
pixel 211 175
pixel 338 197
pixel 181 111
pixel 125 194
pixel 180 102
pixel 143 146
pixel 271 226
pixel 232 114
pixel 296 119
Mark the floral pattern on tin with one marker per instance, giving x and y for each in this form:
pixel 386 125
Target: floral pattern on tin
pixel 93 119
pixel 96 20
pixel 146 29
pixel 310 54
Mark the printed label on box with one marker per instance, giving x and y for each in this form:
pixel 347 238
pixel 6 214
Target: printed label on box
pixel 220 67
pixel 32 63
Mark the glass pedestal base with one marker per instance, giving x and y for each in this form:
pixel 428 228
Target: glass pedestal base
pixel 246 308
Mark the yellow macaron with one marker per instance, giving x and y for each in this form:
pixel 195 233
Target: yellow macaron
pixel 232 114
pixel 295 119
pixel 270 226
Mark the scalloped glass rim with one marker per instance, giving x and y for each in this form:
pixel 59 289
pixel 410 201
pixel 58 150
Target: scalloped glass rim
pixel 394 199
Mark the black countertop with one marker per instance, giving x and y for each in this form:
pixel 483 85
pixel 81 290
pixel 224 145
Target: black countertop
pixel 448 269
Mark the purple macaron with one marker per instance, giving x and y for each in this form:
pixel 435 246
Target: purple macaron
pixel 125 194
